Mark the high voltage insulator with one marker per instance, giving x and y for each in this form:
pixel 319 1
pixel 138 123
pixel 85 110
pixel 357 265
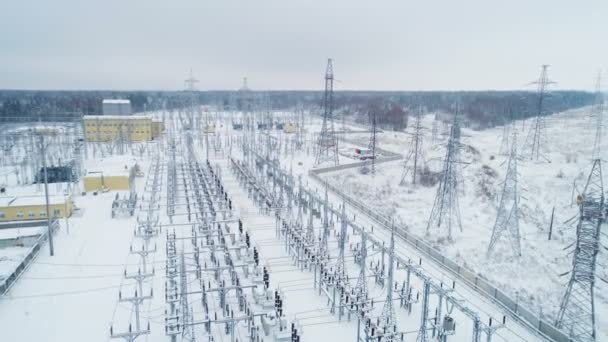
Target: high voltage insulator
pixel 576 315
pixel 507 217
pixel 327 144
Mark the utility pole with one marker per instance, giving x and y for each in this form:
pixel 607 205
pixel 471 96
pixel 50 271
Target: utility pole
pixel 46 190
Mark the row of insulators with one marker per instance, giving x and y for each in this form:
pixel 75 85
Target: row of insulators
pixel 278 303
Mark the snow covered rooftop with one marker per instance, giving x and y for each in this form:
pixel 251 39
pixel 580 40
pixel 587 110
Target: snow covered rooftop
pixel 14 233
pixel 110 165
pixel 59 189
pixel 121 117
pixel 21 201
pixel 116 101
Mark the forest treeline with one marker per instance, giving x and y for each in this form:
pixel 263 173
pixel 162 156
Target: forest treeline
pixel 480 109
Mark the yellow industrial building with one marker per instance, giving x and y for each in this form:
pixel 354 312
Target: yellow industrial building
pixel 107 128
pixel 289 127
pixel 122 180
pixel 157 128
pixel 21 208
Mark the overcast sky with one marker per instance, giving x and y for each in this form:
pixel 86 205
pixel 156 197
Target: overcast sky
pixel 284 44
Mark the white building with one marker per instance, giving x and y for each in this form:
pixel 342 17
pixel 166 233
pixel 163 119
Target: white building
pixel 116 107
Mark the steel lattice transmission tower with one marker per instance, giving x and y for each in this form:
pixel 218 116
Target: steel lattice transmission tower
pixel 598 112
pixel 537 135
pixel 411 161
pixel 341 265
pixel 327 144
pixel 507 217
pixel 362 280
pixel 446 209
pixel 372 140
pixel 507 129
pixel 190 83
pixel 576 314
pixel 323 241
pixel 389 320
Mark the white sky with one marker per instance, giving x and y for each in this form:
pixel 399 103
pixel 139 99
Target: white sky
pixel 284 44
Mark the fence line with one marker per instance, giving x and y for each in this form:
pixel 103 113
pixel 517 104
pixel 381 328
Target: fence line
pixel 6 283
pixel 520 313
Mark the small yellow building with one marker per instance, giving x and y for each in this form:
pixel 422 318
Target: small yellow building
pixel 20 208
pixel 157 128
pixel 121 180
pixel 107 128
pixel 210 129
pixel 289 127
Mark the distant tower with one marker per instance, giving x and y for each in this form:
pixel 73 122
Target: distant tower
pixel 244 87
pixel 327 144
pixel 372 140
pixel 191 82
pixel 598 112
pixel 506 134
pixel 576 314
pixel 191 89
pixel 411 161
pixel 446 210
pixel 533 146
pixel 507 217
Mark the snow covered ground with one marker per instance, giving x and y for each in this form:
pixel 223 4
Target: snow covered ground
pixel 84 277
pixel 533 277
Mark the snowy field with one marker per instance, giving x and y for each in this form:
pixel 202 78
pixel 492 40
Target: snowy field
pixel 92 250
pixel 544 185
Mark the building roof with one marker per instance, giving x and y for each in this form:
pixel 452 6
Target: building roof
pixel 22 201
pixel 116 101
pixel 109 166
pixel 120 117
pixel 15 233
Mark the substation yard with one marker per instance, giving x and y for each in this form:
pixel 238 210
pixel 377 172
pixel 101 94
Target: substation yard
pixel 233 239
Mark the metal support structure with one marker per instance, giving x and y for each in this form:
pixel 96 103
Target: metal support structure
pixel 446 209
pixel 598 112
pixel 327 144
pixel 46 194
pixel 534 146
pixel 507 217
pixel 576 314
pixel 411 161
pixel 389 320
